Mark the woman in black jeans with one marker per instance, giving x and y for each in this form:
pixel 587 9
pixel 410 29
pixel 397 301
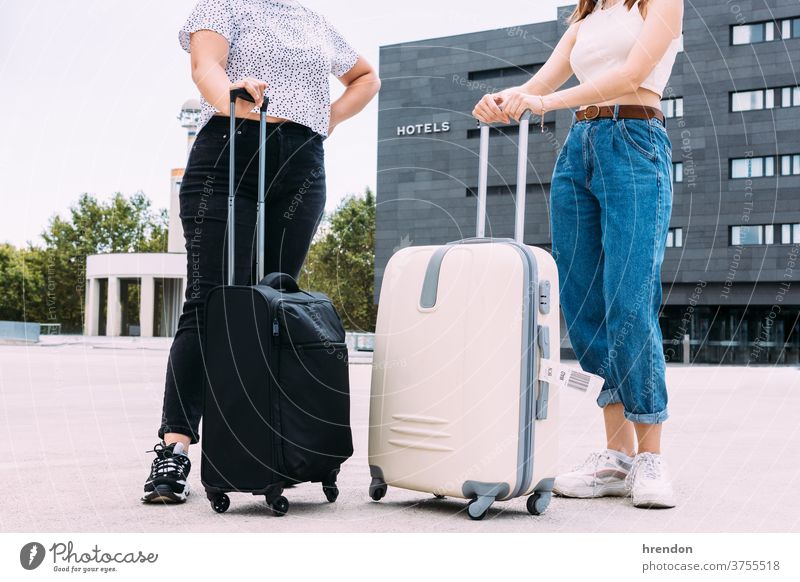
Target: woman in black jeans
pixel 274 46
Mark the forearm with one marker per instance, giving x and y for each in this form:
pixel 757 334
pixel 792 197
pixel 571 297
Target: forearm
pixel 609 86
pixel 214 85
pixel 355 98
pixel 534 86
pixel 543 83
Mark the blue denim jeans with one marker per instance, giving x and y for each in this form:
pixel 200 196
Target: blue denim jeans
pixel 611 199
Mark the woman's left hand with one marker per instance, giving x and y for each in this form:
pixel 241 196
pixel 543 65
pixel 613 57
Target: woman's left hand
pixel 518 103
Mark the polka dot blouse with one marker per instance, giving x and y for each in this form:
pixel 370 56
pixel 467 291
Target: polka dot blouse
pixel 283 43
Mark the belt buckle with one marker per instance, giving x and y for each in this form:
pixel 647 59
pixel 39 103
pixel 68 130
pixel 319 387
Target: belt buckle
pixel 586 114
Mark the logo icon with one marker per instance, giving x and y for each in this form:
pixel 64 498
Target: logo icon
pixel 31 555
pixel 404 242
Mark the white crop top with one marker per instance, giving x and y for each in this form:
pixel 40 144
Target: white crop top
pixel 292 48
pixel 605 39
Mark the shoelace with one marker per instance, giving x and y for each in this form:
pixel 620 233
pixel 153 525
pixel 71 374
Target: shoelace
pixel 592 460
pixel 165 462
pixel 647 465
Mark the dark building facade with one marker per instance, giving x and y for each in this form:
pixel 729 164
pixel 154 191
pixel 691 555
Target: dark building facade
pixel 730 275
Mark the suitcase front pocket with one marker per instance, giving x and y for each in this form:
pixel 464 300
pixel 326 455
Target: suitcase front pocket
pixel 314 393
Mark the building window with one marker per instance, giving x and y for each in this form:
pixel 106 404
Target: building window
pixel 790 234
pixel 672 107
pixel 752 167
pixel 794 27
pixel 751 33
pixel 765 99
pixel 790 165
pixel 758 32
pixel 790 97
pixel 675 237
pixel 753 100
pixel 765 234
pixel 756 234
pixel 504 72
pixel 764 166
pixel 677 172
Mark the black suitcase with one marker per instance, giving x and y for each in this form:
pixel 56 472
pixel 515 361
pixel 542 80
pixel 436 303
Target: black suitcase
pixel 277 403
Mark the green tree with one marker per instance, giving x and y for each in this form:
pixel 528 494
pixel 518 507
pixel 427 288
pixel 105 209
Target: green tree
pixel 120 225
pixel 341 261
pixel 22 284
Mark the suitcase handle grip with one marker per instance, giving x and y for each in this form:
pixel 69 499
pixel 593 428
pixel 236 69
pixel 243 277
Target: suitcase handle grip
pixel 281 282
pixel 522 177
pixel 241 93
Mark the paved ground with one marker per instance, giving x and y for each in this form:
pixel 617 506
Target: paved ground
pixel 77 418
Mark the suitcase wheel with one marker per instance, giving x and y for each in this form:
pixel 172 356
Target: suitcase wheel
pixel 279 506
pixel 331 492
pixel 438 496
pixel 220 503
pixel 538 502
pixel 329 487
pixel 377 489
pixel 479 507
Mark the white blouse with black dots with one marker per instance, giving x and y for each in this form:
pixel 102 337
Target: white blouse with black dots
pixel 283 43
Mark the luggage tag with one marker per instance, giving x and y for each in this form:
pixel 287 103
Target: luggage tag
pixel 564 376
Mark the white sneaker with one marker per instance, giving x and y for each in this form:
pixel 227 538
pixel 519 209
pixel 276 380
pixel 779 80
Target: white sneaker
pixel 649 482
pixel 602 474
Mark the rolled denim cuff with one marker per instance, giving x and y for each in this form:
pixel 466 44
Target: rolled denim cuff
pixel 608 396
pixel 649 418
pixel 178 429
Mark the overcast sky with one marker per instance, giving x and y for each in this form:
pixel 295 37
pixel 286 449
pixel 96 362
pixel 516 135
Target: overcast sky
pixel 91 90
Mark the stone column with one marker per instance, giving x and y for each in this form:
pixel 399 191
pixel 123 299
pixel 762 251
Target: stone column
pixel 114 310
pixel 92 314
pixel 147 304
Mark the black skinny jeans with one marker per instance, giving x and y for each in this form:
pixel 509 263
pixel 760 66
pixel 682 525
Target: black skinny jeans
pixel 295 202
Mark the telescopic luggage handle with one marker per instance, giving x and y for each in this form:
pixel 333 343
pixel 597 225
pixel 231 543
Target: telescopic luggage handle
pixel 522 177
pixel 236 94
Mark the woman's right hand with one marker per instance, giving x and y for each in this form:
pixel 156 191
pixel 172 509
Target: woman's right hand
pixel 488 109
pixel 255 87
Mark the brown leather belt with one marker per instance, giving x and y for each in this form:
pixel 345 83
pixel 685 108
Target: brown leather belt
pixel 625 112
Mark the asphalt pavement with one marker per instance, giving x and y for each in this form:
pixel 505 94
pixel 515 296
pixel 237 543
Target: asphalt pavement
pixel 79 414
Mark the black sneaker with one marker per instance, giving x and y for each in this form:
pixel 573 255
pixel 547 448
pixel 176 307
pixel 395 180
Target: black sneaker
pixel 168 474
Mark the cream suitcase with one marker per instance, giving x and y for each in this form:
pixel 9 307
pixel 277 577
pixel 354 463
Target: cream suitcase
pixel 456 408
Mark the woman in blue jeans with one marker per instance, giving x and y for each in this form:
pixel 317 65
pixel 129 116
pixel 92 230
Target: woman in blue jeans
pixel 284 48
pixel 611 199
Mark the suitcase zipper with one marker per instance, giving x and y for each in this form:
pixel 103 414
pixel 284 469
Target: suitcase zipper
pixel 274 395
pixel 530 389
